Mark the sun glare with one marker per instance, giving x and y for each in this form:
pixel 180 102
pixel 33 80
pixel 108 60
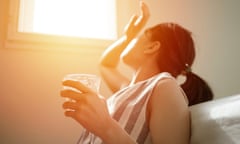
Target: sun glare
pixel 81 18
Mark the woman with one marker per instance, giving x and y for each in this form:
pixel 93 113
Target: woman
pixel 151 107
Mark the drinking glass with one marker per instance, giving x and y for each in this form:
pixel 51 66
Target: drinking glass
pixel 90 80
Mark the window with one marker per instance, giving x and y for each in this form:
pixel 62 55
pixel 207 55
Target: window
pixel 65 22
pixel 81 18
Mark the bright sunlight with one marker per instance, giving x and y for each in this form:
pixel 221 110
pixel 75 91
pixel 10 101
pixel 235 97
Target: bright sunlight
pixel 80 18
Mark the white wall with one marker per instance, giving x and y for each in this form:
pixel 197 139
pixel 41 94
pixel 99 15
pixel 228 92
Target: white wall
pixel 30 80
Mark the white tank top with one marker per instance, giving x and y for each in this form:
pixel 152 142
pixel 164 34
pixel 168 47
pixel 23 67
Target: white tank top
pixel 128 107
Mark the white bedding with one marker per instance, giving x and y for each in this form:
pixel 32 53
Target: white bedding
pixel 216 122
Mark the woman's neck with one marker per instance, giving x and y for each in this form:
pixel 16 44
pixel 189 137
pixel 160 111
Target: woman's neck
pixel 145 72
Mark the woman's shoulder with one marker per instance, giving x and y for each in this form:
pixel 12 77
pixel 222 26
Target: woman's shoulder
pixel 169 91
pixel 159 77
pixel 163 75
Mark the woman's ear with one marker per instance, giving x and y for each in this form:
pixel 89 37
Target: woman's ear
pixel 153 47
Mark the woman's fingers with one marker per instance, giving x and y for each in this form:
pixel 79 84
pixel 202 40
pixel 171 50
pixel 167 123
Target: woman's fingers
pixel 68 93
pixel 71 106
pixel 144 10
pixel 130 23
pixel 136 22
pixel 142 19
pixel 70 114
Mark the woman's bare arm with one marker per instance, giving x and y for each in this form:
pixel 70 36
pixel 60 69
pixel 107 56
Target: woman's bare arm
pixel 111 56
pixel 169 115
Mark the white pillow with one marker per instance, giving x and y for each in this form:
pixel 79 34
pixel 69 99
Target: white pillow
pixel 216 122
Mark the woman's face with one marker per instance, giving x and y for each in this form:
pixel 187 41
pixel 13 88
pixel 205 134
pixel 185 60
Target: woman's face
pixel 133 55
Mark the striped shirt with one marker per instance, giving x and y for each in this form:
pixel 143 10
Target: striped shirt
pixel 128 107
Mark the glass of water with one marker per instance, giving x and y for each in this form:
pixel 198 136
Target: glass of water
pixel 90 80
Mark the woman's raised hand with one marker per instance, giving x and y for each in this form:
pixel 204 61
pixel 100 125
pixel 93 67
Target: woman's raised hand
pixel 136 22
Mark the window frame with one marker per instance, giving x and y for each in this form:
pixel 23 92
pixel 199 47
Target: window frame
pixel 16 39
